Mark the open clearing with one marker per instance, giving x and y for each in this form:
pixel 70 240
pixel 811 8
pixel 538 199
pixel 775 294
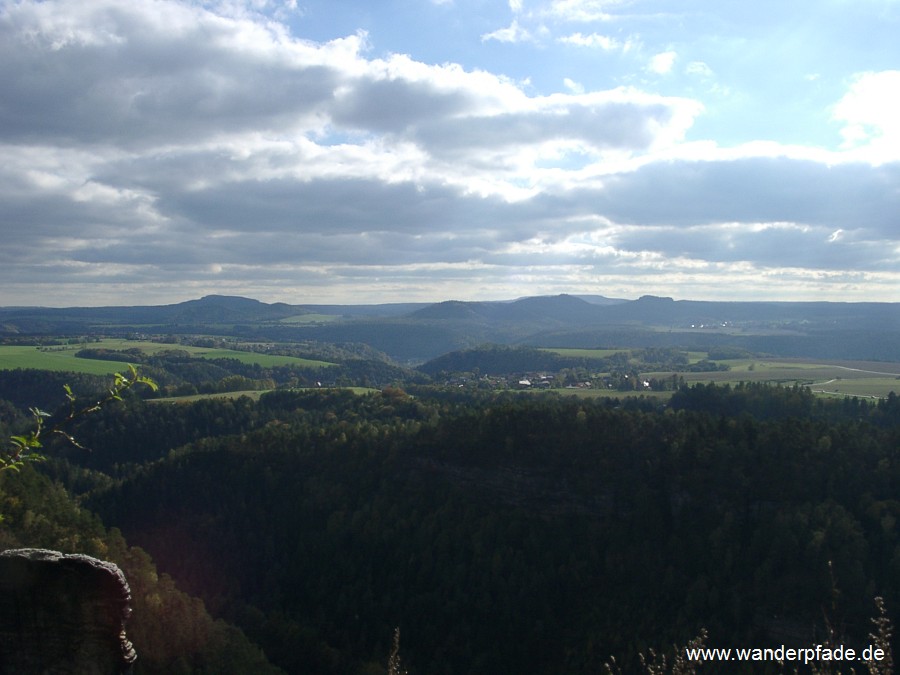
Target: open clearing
pixel 310 319
pixel 62 358
pixel 868 379
pixel 254 394
pixel 199 397
pixel 12 357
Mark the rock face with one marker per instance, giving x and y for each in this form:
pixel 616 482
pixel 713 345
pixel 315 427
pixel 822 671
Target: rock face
pixel 62 614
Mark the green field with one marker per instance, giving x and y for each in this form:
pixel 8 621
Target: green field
pixel 838 378
pixel 310 319
pixel 865 379
pixel 199 397
pixel 64 359
pixel 254 394
pixel 12 357
pixel 606 393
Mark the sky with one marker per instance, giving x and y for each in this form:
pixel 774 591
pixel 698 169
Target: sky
pixel 343 151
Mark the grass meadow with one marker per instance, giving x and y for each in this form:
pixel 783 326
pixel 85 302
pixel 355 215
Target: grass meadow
pixel 62 358
pixel 15 356
pixel 866 379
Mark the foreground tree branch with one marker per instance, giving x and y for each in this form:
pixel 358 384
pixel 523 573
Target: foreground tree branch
pixel 26 448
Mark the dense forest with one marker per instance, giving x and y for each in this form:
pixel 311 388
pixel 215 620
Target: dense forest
pixel 502 532
pixel 175 632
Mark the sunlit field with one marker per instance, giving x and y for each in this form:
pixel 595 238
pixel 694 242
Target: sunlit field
pixel 63 358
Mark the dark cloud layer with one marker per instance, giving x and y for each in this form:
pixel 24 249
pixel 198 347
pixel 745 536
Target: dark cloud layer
pixel 757 190
pixel 161 145
pixel 607 125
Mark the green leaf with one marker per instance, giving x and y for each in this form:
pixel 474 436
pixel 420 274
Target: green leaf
pixel 21 448
pixel 149 382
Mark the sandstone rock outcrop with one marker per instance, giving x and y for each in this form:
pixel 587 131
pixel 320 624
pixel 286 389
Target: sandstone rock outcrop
pixel 62 614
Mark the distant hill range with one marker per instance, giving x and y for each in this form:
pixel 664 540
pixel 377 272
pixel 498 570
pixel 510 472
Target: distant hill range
pixel 415 332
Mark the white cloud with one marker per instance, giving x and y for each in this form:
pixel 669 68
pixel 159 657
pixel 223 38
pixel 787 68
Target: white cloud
pixel 698 68
pixel 870 111
pixel 512 34
pixel 573 86
pixel 166 146
pixel 584 11
pixel 596 40
pixel 663 62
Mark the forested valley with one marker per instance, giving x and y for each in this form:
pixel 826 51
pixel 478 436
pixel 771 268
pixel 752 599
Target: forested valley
pixel 502 532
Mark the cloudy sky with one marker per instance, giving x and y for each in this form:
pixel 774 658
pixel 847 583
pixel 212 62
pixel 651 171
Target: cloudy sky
pixel 153 151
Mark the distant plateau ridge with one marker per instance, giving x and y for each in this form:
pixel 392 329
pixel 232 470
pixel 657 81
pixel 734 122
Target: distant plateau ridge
pixel 412 332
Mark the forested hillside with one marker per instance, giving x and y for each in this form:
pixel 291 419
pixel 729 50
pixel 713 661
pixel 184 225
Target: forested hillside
pixel 524 534
pixel 502 532
pixel 174 633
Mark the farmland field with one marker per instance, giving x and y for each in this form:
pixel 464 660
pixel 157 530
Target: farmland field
pixel 310 319
pixel 63 358
pixel 12 357
pixel 830 378
pixel 266 360
pixel 866 379
pixel 254 394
